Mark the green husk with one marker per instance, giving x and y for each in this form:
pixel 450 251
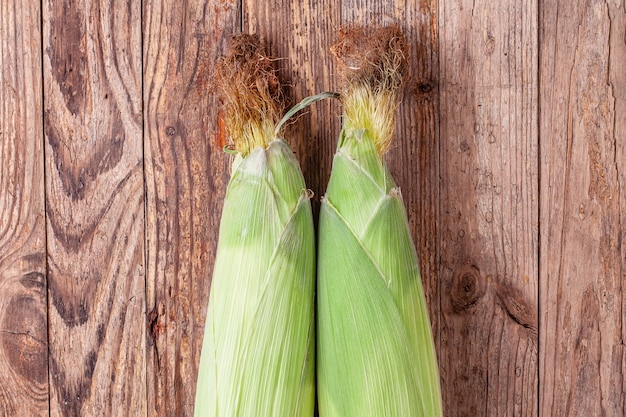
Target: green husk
pixel 258 350
pixel 376 354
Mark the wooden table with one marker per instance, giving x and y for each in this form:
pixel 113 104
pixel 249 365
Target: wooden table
pixel 510 152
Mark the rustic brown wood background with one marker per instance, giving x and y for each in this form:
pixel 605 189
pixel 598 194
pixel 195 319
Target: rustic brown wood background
pixel 510 150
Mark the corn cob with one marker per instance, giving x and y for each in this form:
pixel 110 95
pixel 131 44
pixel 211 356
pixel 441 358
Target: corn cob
pixel 376 354
pixel 258 349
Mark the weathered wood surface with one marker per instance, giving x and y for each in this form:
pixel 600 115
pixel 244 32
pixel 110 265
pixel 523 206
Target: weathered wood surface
pixel 509 152
pixel 23 333
pixel 186 172
pixel 583 209
pixel 94 208
pixel 488 210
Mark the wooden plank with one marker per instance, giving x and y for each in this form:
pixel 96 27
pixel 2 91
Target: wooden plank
pixel 186 174
pixel 414 156
pixel 583 207
pixel 23 317
pixel 95 207
pixel 298 35
pixel 488 57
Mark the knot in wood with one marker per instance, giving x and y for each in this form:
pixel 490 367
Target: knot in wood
pixel 21 330
pixel 467 288
pixel 425 87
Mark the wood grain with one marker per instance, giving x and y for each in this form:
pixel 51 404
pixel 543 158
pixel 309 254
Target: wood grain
pixel 186 173
pixel 583 167
pixel 23 318
pixel 94 207
pixel 489 232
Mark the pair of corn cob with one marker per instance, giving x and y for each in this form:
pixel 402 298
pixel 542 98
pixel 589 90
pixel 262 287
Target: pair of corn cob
pixel 375 352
